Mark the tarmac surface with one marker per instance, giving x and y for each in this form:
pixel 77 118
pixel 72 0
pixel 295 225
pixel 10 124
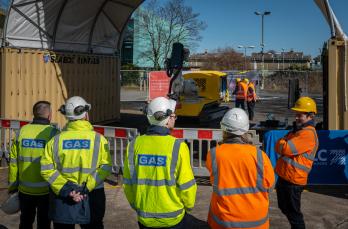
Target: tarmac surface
pixel 271 104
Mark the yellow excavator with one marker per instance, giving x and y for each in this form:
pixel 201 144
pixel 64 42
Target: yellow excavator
pixel 198 93
pixel 201 96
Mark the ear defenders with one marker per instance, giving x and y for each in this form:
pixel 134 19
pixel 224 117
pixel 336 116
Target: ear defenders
pixel 77 110
pixel 160 115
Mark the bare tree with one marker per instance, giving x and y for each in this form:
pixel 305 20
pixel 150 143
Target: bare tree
pixel 224 59
pixel 160 25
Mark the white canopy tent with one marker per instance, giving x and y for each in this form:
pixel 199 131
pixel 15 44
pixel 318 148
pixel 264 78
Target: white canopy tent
pixel 87 26
pixel 336 29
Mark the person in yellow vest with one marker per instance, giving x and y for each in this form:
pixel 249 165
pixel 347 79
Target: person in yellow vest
pixel 241 175
pixel 297 152
pixel 158 180
pixel 251 100
pixel 75 164
pixel 241 93
pixel 24 168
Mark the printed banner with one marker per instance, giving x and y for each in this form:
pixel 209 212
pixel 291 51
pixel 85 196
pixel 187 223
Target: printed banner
pixel 330 165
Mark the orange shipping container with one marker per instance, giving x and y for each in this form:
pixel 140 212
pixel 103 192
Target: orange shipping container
pixel 29 75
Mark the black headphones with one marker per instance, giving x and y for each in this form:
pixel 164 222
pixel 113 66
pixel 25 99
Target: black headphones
pixel 159 115
pixel 77 111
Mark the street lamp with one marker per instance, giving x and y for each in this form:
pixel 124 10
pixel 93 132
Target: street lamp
pixel 262 44
pixel 283 57
pixel 245 48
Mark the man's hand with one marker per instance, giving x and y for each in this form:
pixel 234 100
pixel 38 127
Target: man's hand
pixel 77 196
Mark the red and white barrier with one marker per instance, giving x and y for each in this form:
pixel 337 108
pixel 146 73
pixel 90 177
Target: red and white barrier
pixel 198 140
pixel 197 134
pixel 13 124
pixel 116 132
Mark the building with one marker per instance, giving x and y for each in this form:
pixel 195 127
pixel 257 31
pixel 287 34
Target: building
pixel 128 44
pixel 280 61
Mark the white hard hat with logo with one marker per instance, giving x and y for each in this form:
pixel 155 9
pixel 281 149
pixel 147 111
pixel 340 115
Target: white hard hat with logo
pixel 235 121
pixel 159 110
pixel 11 205
pixel 75 108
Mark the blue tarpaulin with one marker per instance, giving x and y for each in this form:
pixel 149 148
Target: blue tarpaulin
pixel 330 165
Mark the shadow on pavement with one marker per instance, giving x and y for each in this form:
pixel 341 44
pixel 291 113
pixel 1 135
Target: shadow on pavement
pixel 194 223
pixel 339 191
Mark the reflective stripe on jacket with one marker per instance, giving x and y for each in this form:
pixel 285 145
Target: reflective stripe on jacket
pixel 297 152
pixel 25 155
pixel 241 91
pixel 251 94
pixel 158 180
pixel 242 177
pixel 79 155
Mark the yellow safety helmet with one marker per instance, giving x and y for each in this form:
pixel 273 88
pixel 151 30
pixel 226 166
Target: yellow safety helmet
pixel 305 104
pixel 238 80
pixel 246 80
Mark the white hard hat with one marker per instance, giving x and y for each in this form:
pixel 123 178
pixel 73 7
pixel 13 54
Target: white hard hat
pixel 11 205
pixel 235 121
pixel 75 108
pixel 159 110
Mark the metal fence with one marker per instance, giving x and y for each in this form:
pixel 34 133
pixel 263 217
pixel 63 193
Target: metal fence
pixel 8 130
pixel 199 142
pixel 118 138
pixel 135 78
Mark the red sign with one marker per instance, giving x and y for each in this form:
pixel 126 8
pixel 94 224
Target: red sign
pixel 158 84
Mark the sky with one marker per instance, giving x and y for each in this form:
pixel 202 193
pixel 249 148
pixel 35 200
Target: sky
pixel 293 24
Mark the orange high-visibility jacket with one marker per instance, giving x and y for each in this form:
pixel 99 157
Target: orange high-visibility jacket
pixel 241 90
pixel 297 152
pixel 251 94
pixel 241 176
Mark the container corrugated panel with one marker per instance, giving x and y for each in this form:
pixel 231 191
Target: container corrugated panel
pixel 28 76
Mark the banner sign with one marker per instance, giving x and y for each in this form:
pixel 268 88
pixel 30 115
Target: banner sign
pixel 331 160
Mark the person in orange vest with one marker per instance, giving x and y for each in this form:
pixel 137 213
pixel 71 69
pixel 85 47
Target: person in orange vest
pixel 237 80
pixel 251 100
pixel 241 175
pixel 297 152
pixel 241 93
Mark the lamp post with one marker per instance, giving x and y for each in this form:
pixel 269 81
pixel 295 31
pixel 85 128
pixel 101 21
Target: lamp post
pixel 262 44
pixel 245 48
pixel 283 57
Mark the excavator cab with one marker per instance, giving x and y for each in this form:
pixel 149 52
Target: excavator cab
pixel 201 95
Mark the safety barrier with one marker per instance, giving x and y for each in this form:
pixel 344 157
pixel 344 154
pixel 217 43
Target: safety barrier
pixel 8 130
pixel 199 141
pixel 118 138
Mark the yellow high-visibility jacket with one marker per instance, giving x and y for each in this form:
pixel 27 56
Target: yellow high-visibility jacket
pixel 26 151
pixel 78 154
pixel 158 180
